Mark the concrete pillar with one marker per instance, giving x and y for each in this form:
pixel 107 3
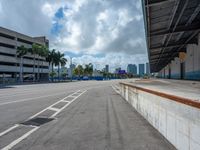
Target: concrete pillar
pixel 175 68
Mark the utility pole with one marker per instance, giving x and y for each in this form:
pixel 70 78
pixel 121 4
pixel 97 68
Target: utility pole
pixel 71 68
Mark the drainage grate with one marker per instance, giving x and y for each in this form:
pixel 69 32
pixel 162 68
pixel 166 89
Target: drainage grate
pixel 37 121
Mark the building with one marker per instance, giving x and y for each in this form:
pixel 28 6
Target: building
pixel 63 71
pixel 117 70
pixel 173 40
pixel 10 62
pixel 132 69
pixel 97 73
pixel 70 70
pixel 147 68
pixel 107 68
pixel 141 69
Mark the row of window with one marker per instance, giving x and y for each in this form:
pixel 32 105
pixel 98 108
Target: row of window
pixel 12 47
pixel 13 38
pixel 25 65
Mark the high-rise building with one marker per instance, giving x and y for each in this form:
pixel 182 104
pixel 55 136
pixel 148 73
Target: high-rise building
pixel 147 68
pixel 107 68
pixel 141 69
pixel 11 66
pixel 132 69
pixel 70 70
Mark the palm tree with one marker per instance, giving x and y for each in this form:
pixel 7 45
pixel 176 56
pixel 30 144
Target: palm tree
pixel 60 60
pixel 34 51
pixel 21 51
pixel 43 52
pixel 78 70
pixel 51 59
pixel 88 70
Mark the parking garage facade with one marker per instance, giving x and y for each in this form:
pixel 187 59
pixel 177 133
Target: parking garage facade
pixel 173 37
pixel 10 63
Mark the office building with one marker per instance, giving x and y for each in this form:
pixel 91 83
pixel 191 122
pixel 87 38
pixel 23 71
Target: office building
pixel 107 68
pixel 10 62
pixel 147 68
pixel 141 69
pixel 132 69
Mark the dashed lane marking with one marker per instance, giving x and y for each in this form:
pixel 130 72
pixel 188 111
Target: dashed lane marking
pixel 8 130
pixel 15 142
pixel 29 99
pixel 53 108
pixel 57 111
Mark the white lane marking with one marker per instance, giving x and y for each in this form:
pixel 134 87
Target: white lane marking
pixel 67 104
pixel 49 107
pixel 15 142
pixel 115 89
pixel 9 129
pixel 65 101
pixel 72 96
pixel 54 109
pixel 29 99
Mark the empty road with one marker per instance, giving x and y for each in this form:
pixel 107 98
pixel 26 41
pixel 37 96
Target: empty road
pixel 86 115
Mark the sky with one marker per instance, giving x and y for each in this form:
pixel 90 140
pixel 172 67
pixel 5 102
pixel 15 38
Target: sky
pixel 90 31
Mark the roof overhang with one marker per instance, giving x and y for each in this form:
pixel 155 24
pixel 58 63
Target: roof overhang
pixel 169 26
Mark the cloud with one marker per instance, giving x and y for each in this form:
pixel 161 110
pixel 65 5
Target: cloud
pixel 82 27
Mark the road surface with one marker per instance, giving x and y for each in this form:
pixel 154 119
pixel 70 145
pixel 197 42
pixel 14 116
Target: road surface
pixel 87 115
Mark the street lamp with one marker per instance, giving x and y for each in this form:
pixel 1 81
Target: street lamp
pixel 71 68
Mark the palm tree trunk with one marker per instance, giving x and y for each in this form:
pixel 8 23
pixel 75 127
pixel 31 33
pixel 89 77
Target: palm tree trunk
pixel 42 70
pixel 37 76
pixel 21 70
pixel 38 72
pixel 58 72
pixel 34 68
pixel 52 70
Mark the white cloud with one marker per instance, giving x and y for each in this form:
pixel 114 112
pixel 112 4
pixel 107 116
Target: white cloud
pixel 73 39
pixel 89 27
pixel 48 10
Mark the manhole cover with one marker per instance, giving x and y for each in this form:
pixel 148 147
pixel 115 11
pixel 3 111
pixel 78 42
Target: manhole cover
pixel 37 121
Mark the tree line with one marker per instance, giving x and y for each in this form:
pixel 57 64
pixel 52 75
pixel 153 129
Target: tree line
pixel 87 70
pixel 55 58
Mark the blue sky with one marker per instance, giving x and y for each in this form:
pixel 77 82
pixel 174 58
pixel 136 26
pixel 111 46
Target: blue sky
pixel 97 31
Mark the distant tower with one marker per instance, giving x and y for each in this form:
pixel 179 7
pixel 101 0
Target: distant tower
pixel 132 69
pixel 147 68
pixel 107 68
pixel 141 69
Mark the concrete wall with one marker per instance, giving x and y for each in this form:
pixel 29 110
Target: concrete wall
pixel 25 61
pixel 167 71
pixel 175 68
pixel 192 63
pixel 7 69
pixel 177 122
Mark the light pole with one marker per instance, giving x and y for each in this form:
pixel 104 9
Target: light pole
pixel 71 68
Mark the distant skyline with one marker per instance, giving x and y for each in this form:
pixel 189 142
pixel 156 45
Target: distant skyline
pixel 97 31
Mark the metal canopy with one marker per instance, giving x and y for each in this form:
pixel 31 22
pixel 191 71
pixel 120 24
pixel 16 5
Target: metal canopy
pixel 170 25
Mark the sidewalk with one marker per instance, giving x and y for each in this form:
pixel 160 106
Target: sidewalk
pixel 181 88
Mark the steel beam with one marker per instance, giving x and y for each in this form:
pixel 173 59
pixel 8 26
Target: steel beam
pixel 181 43
pixel 158 2
pixel 185 3
pixel 169 46
pixel 179 29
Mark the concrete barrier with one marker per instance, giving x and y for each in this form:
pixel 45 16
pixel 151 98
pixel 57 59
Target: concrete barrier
pixel 176 118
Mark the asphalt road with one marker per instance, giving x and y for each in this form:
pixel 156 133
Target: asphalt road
pixel 87 115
